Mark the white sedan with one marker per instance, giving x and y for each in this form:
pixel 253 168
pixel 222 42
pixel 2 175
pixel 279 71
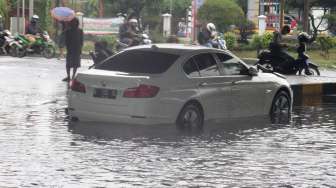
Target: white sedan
pixel 171 83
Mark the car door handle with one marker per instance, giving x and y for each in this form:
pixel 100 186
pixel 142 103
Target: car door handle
pixel 238 82
pixel 203 84
pixel 218 84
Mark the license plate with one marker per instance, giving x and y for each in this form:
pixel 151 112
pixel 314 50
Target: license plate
pixel 105 93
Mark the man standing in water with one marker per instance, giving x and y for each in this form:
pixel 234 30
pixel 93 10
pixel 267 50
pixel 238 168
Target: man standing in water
pixel 73 43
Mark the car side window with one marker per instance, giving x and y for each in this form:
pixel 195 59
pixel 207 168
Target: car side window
pixel 231 65
pixel 191 69
pixel 207 65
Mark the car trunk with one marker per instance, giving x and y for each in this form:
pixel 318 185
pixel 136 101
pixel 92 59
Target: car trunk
pixel 108 87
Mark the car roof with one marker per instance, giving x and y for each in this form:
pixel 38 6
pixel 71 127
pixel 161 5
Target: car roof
pixel 178 49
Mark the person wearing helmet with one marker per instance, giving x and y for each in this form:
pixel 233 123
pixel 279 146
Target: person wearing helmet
pixel 33 30
pixel 277 47
pixel 206 35
pixel 128 32
pixel 33 27
pixel 304 39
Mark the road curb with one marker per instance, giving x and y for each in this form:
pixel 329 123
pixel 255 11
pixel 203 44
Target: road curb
pixel 313 93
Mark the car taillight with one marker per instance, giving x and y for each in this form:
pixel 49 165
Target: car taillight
pixel 142 91
pixel 75 85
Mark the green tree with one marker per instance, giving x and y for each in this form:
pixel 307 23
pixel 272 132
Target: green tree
pixel 179 10
pixel 42 8
pixel 243 5
pixel 326 5
pixel 223 13
pixel 92 8
pixel 3 8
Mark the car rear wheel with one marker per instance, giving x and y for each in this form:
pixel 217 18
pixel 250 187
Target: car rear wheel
pixel 281 108
pixel 191 117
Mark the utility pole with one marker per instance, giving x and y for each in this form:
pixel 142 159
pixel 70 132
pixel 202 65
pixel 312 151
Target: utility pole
pixel 101 8
pixel 23 17
pixel 306 15
pixel 31 8
pixel 171 7
pixel 17 16
pixel 282 13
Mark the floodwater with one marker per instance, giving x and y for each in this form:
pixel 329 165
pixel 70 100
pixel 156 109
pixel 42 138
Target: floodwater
pixel 40 148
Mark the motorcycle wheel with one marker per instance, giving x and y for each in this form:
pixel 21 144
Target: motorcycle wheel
pixel 314 70
pixel 12 51
pixel 20 52
pixel 49 52
pixel 16 51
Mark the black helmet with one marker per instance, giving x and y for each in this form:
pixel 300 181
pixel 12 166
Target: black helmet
pixel 303 37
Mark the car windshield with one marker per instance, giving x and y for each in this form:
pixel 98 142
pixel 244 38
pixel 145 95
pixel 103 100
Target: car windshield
pixel 140 61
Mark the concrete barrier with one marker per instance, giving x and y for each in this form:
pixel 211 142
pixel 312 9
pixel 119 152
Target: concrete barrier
pixel 314 93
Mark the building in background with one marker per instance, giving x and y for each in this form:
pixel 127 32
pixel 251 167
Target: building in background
pixel 268 8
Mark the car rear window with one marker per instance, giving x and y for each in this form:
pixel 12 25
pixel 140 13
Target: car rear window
pixel 140 61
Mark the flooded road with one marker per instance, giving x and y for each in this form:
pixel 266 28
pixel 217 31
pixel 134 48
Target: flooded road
pixel 39 148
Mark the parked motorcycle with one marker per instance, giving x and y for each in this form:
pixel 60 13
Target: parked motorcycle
pixel 290 66
pixel 10 44
pixel 42 45
pixel 142 39
pixel 5 38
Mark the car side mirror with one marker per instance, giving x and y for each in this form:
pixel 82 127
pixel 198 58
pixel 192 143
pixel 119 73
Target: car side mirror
pixel 253 71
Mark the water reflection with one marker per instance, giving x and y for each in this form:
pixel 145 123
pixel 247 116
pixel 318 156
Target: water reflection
pixel 224 129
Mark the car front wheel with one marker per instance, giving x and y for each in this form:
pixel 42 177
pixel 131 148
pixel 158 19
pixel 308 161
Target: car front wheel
pixel 281 108
pixel 190 117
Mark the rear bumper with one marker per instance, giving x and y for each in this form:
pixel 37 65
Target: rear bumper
pixel 86 116
pixel 132 113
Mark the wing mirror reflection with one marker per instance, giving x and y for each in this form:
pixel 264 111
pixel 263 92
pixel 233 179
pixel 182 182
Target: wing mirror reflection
pixel 253 71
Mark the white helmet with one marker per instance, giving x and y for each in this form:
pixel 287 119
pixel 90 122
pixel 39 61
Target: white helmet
pixel 133 21
pixel 211 27
pixel 36 17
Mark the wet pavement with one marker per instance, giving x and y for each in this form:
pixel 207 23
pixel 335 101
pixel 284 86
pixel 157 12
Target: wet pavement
pixel 40 148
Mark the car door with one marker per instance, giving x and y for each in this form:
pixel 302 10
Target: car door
pixel 214 90
pixel 247 92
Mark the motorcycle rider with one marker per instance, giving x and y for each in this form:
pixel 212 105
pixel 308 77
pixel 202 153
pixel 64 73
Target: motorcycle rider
pixel 276 47
pixel 101 52
pixel 304 39
pixel 128 32
pixel 206 35
pixel 33 29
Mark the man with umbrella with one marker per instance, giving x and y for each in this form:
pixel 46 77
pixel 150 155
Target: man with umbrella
pixel 73 43
pixel 73 36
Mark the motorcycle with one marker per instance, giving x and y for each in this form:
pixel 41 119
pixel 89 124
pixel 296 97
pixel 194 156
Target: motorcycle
pixel 290 66
pixel 42 45
pixel 142 39
pixel 100 53
pixel 5 39
pixel 9 44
